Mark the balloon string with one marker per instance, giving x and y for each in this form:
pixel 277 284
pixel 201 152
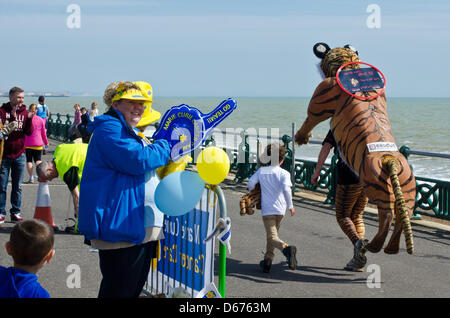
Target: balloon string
pixel 215 199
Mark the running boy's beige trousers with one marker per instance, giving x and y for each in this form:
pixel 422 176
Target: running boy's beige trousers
pixel 272 224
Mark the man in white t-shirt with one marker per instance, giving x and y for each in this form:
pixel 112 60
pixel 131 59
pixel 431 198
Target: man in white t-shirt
pixel 276 197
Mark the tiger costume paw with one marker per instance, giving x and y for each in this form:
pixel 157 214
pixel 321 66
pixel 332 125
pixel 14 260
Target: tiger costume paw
pixel 392 250
pixel 301 139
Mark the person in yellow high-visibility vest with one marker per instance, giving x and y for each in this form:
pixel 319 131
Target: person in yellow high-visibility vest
pixel 68 162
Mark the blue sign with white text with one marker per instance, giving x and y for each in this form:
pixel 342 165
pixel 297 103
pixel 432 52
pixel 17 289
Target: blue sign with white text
pixel 183 251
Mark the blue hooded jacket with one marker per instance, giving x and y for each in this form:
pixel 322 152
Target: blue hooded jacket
pixel 112 188
pixel 17 283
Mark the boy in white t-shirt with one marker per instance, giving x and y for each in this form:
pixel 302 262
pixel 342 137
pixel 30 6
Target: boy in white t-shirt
pixel 276 197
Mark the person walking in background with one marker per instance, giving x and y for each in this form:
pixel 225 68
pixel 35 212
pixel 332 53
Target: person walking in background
pixel 276 196
pixel 79 112
pixel 77 119
pixel 44 113
pixel 93 112
pixel 42 110
pixel 14 152
pixel 112 212
pixel 82 127
pixel 34 144
pixel 31 247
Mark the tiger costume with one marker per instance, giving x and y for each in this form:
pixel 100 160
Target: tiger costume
pixel 350 202
pixel 385 175
pixel 251 200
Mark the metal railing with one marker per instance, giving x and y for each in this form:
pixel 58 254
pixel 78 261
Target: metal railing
pixel 58 126
pixel 432 198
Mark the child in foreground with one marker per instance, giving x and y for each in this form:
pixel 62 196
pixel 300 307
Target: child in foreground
pixel 276 197
pixel 31 247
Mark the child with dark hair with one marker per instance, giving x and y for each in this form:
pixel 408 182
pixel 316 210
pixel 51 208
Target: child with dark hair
pixel 31 246
pixel 276 197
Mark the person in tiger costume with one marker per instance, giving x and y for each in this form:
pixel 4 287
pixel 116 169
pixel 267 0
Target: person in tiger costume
pixel 386 176
pixel 349 204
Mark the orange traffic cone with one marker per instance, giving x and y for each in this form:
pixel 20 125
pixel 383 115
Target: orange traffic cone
pixel 43 209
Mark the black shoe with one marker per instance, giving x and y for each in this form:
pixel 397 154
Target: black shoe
pixel 356 264
pixel 360 248
pixel 290 252
pixel 71 229
pixel 265 265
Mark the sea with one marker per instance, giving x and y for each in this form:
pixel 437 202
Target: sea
pixel 422 124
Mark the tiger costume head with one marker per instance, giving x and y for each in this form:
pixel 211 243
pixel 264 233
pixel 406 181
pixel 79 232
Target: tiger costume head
pixel 333 59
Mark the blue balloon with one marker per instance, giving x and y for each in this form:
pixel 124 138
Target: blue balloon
pixel 179 192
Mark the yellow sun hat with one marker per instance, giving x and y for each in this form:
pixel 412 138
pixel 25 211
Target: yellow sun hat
pixel 150 115
pixel 127 90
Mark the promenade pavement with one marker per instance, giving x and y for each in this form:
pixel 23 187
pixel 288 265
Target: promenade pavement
pixel 323 250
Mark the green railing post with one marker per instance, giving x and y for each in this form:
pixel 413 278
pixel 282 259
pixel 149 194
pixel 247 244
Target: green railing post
pixel 444 200
pixel 57 129
pixel 222 269
pixel 66 128
pixel 210 141
pixel 243 166
pixel 222 247
pixel 287 164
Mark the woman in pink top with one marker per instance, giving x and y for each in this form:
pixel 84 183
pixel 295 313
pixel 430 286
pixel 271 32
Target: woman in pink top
pixel 35 142
pixel 77 119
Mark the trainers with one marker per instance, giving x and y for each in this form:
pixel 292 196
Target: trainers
pixel 360 248
pixel 30 180
pixel 16 218
pixel 265 265
pixel 290 252
pixel 356 264
pixel 2 219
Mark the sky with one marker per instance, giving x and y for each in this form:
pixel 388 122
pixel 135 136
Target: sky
pixel 228 48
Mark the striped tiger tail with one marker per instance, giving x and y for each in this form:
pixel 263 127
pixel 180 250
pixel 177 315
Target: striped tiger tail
pixel 392 166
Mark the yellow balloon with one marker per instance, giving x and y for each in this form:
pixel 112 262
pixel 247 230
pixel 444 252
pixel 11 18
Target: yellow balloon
pixel 213 165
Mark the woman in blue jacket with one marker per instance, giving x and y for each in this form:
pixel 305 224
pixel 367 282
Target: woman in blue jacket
pixel 112 190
